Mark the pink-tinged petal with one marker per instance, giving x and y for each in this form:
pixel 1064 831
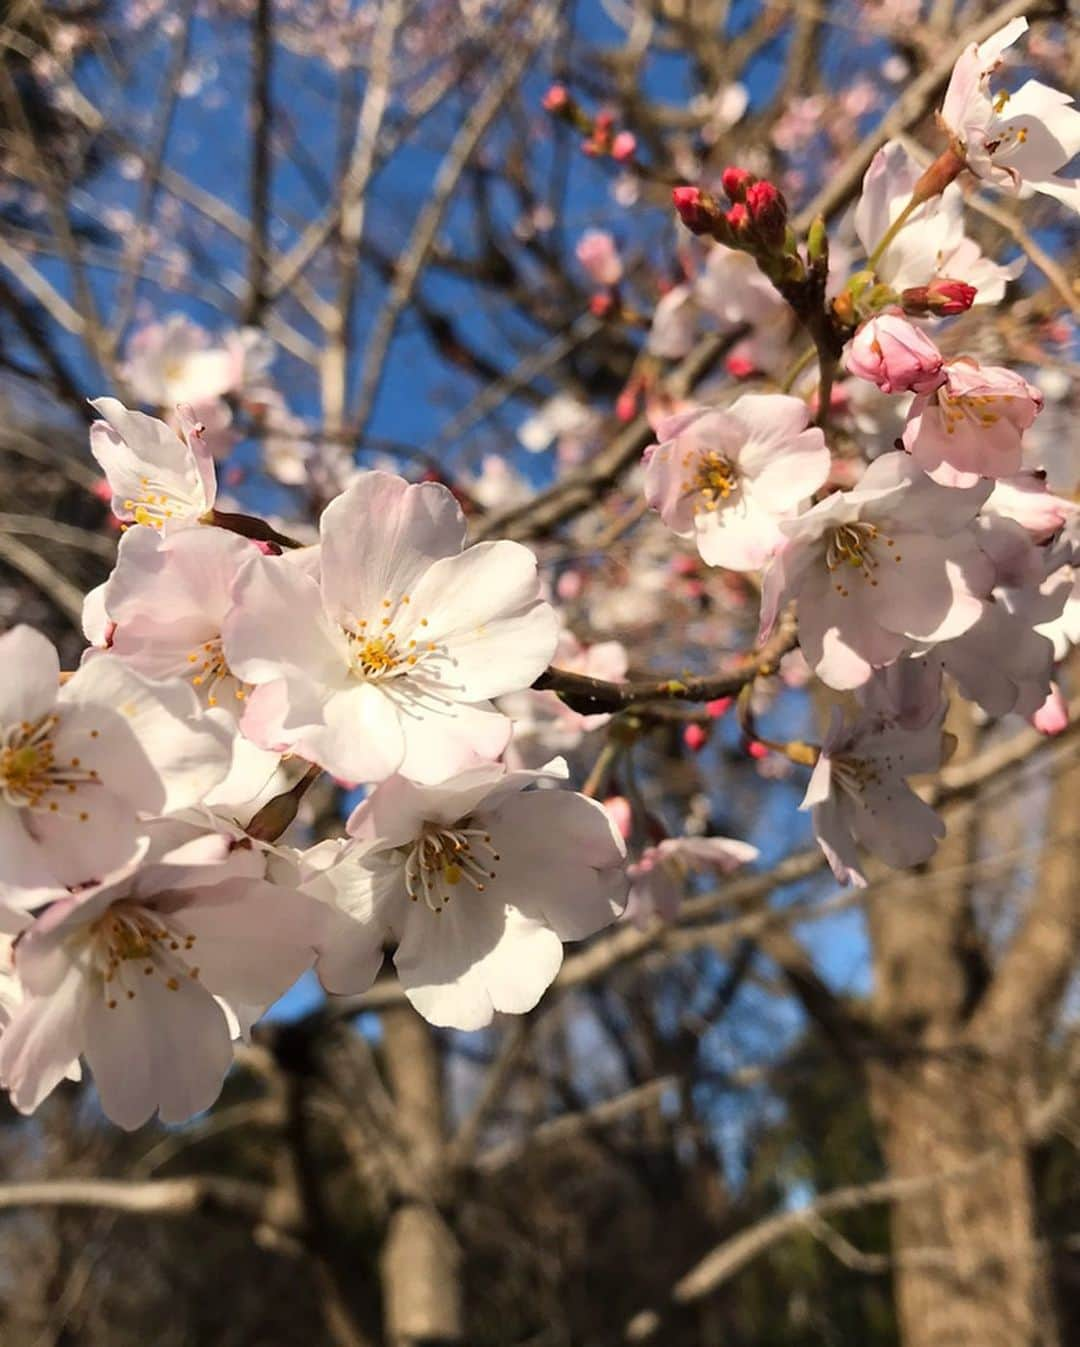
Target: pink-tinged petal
pixel 792 476
pixel 740 539
pixel 365 908
pixel 27 878
pixel 182 578
pixel 88 838
pixel 472 959
pixel 378 539
pixel 561 861
pixel 43 1040
pixel 1052 717
pixel 166 1050
pixel 276 625
pixel 31 676
pixel 253 939
pixel 897 826
pixel 667 486
pixel 193 431
pixel 442 741
pixel 923 589
pixel 492 632
pixel 832 829
pixel 154 747
pixel 769 422
pixel 148 465
pixel 396 811
pixel 362 736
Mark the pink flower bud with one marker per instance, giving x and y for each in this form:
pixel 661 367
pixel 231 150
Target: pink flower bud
pixel 941 297
pixel 698 211
pixel 757 749
pixel 718 707
pixel 739 366
pixel 626 404
pixel 569 585
pixel 598 255
pixel 1053 716
pixel 735 182
pixel 889 352
pixel 601 304
pixel 695 737
pixel 738 220
pixel 768 213
pixel 557 99
pixel 624 147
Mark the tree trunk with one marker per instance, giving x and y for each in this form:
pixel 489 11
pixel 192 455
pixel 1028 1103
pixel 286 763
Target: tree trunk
pixel 420 1258
pixel 969 1269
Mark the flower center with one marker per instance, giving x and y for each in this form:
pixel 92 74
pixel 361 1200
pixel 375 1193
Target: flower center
pixel 855 774
pixel 442 858
pixel 208 671
pixel 376 652
pixel 30 770
pixel 854 547
pixel 152 506
pixel 957 407
pixel 129 941
pixel 715 480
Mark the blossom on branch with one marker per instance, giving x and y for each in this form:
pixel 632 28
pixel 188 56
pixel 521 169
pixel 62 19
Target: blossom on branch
pixel 476 882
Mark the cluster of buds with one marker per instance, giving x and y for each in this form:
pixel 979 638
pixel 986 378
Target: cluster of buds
pixel 602 139
pixel 756 220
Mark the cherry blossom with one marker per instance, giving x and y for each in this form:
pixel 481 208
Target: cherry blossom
pixel 79 762
pixel 127 972
pixel 971 425
pixel 158 477
pixel 1015 141
pixel 477 882
pixel 389 661
pixel 1027 499
pixel 858 795
pixel 933 243
pixel 885 569
pixel 658 878
pixel 727 476
pixel 889 352
pixel 599 256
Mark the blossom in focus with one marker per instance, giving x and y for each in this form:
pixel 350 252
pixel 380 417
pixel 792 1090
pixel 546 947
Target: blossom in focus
pixel 726 476
pixel 858 795
pixel 477 881
pixel 1015 141
pixel 128 972
pixel 389 660
pixel 658 878
pixel 889 352
pixel 79 762
pixel 888 568
pixel 971 425
pixel 158 477
pixel 599 256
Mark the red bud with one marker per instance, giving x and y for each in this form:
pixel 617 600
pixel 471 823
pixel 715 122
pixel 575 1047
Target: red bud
pixel 768 212
pixel 735 182
pixel 695 737
pixel 943 297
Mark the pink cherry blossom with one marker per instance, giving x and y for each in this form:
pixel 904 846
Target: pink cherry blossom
pixel 1027 499
pixel 1053 716
pixel 389 660
pixel 658 879
pixel 889 352
pixel 477 881
pixel 599 256
pixel 79 762
pixel 971 425
pixel 158 478
pixel 726 477
pixel 127 974
pixel 890 567
pixel 1014 141
pixel 858 795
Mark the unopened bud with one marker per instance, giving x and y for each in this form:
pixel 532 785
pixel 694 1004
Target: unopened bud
pixel 557 99
pixel 941 297
pixel 768 213
pixel 695 737
pixel 624 147
pixel 699 212
pixel 817 245
pixel 735 182
pixel 738 220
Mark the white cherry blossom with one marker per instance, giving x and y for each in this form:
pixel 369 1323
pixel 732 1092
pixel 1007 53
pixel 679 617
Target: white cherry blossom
pixel 127 974
pixel 390 660
pixel 78 764
pixel 886 569
pixel 158 477
pixel 727 476
pixel 476 882
pixel 1016 141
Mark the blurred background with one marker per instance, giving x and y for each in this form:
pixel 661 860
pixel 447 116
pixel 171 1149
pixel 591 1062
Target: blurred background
pixel 349 233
